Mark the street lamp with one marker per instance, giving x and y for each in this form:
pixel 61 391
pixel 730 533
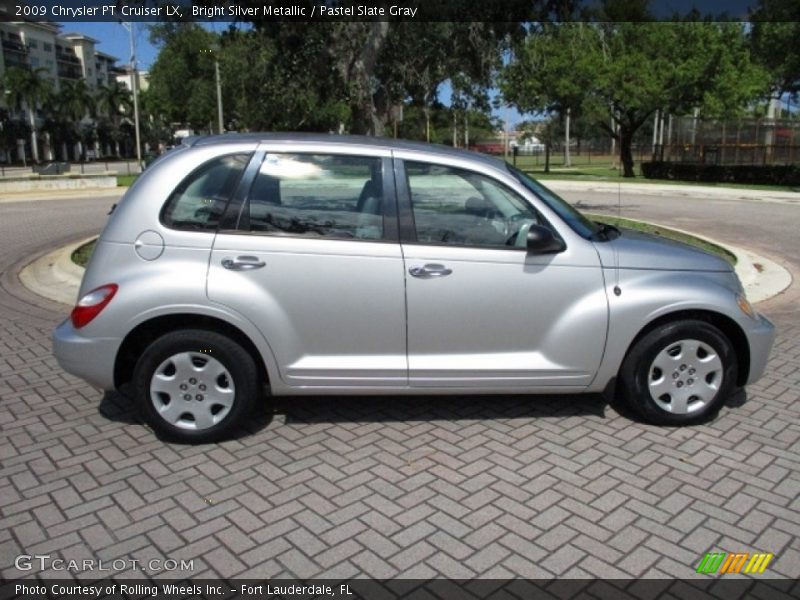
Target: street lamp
pixel 135 90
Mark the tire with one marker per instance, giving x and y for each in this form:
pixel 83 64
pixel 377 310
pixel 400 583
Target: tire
pixel 195 386
pixel 679 373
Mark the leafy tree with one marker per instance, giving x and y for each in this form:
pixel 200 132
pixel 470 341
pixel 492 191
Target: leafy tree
pixel 113 101
pixel 280 77
pixel 536 80
pixel 67 110
pixel 27 89
pixel 11 130
pixel 775 35
pixel 629 70
pixel 182 79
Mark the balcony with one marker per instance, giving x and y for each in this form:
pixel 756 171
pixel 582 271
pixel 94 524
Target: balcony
pixel 71 59
pixel 69 72
pixel 14 46
pixel 15 55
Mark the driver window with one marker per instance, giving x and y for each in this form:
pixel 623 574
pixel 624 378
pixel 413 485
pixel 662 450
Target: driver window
pixel 458 207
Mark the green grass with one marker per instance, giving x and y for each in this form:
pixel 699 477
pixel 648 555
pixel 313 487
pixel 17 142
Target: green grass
pixel 83 253
pixel 666 233
pixel 125 180
pixel 598 168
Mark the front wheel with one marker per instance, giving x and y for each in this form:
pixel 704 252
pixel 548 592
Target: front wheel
pixel 679 373
pixel 195 386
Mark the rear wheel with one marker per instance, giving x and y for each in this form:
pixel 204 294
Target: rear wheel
pixel 195 386
pixel 679 373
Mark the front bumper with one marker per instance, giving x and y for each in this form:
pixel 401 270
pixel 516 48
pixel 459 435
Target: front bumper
pixel 761 337
pixel 91 359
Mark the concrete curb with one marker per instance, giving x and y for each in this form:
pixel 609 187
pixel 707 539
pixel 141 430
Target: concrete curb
pixel 51 195
pixel 56 277
pixel 663 189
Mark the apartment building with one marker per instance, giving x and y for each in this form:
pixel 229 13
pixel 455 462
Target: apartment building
pixel 64 56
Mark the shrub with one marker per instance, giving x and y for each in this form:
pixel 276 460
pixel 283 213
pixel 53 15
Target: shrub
pixel 788 175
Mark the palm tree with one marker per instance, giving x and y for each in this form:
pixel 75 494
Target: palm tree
pixel 25 90
pixel 114 101
pixel 73 103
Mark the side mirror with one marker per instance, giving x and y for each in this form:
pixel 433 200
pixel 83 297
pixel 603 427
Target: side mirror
pixel 542 241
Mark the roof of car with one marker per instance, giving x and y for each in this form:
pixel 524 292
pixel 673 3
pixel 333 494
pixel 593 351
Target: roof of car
pixel 363 140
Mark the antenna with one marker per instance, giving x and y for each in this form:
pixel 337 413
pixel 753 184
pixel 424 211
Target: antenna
pixel 617 290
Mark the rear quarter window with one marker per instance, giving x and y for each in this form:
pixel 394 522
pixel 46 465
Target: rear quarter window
pixel 199 201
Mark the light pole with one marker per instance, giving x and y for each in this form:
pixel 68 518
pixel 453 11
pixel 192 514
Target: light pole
pixel 219 96
pixel 135 90
pixel 220 121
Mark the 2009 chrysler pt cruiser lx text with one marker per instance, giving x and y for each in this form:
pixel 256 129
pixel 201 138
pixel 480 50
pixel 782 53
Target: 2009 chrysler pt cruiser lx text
pixel 344 265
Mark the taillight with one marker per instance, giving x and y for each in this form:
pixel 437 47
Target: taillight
pixel 91 304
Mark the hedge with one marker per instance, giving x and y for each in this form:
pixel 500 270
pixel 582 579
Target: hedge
pixel 759 174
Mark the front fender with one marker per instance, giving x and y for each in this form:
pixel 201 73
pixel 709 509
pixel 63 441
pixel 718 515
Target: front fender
pixel 648 295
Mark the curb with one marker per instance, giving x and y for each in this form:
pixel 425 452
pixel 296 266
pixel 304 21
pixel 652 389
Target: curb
pixel 50 195
pixel 665 189
pixel 56 277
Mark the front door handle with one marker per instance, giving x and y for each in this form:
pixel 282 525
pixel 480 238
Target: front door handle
pixel 243 263
pixel 430 270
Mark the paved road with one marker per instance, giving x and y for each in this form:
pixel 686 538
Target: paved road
pixel 422 487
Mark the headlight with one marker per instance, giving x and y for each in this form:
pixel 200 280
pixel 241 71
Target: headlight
pixel 745 306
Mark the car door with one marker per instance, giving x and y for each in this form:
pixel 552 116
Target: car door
pixel 311 257
pixel 483 311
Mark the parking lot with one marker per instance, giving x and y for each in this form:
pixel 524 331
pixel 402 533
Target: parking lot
pixel 459 487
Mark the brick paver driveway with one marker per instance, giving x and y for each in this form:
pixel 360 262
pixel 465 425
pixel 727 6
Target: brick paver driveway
pixel 421 487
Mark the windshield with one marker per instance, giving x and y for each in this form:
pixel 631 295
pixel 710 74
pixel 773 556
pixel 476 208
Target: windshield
pixel 583 226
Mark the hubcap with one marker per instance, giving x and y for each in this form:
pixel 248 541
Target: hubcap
pixel 685 376
pixel 192 391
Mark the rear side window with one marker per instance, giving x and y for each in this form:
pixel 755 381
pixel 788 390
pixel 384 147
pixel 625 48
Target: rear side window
pixel 317 195
pixel 200 199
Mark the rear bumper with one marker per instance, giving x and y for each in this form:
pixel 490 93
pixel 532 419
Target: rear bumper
pixel 761 337
pixel 91 359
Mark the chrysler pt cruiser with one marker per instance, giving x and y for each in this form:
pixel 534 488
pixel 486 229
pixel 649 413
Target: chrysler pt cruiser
pixel 242 265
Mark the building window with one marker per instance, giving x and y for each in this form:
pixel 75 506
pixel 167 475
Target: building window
pixel 47 47
pixel 33 44
pixel 34 61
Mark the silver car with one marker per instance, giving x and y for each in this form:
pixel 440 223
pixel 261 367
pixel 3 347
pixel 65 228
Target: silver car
pixel 307 265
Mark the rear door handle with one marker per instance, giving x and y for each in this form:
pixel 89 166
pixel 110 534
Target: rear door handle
pixel 243 263
pixel 430 270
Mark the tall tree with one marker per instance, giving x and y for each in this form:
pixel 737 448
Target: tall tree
pixel 113 101
pixel 628 70
pixel 775 36
pixel 537 80
pixel 182 78
pixel 73 105
pixel 26 90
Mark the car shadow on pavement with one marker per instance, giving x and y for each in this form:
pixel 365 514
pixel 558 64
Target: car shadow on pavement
pixel 119 408
pixel 116 407
pixel 331 409
pixel 300 410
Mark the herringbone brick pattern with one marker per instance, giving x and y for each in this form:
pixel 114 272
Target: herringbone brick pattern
pixel 490 487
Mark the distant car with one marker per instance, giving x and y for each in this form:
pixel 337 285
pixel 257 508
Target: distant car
pixel 311 265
